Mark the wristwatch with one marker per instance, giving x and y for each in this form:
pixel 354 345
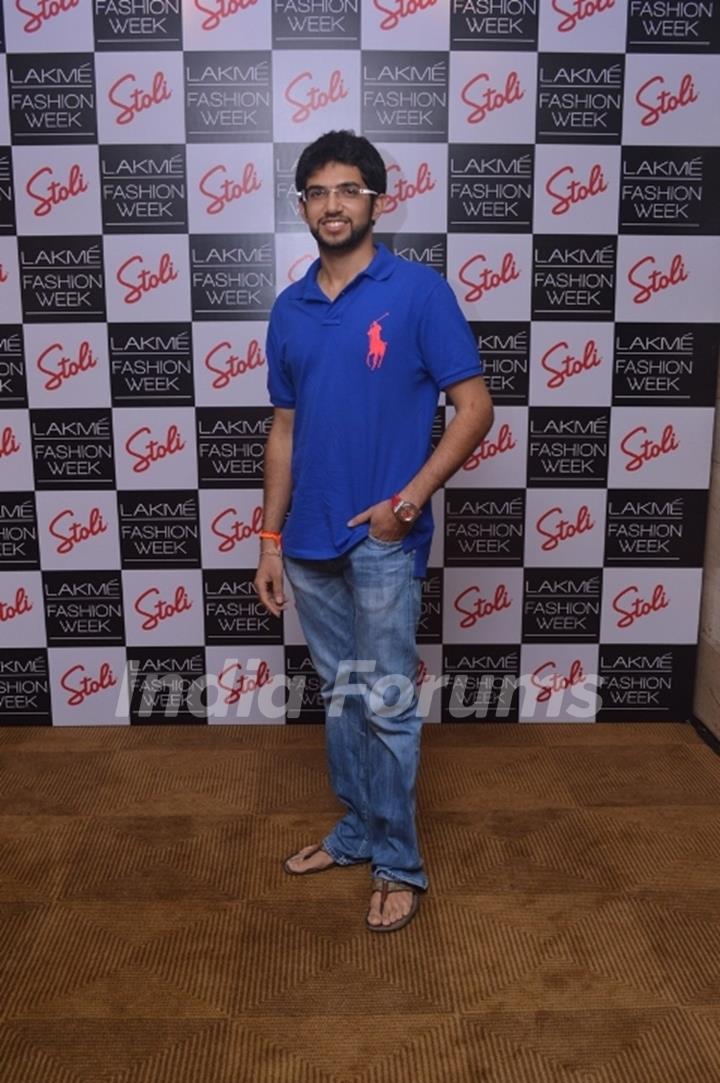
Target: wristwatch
pixel 404 510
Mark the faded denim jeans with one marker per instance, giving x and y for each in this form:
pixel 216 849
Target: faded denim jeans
pixel 363 608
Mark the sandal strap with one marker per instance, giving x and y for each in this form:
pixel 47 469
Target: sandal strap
pixel 386 886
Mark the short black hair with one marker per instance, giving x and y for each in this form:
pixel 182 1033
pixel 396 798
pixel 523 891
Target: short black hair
pixel 349 149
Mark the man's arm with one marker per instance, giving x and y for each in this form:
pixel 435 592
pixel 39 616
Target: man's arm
pixel 276 500
pixel 473 419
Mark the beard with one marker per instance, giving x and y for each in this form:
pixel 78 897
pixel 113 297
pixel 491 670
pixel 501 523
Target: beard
pixel 351 241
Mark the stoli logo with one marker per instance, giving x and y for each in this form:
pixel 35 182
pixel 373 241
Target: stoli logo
pixel 42 12
pixel 548 683
pixel 664 101
pixel 155 450
pixel 483 280
pixel 233 531
pixel 219 10
pixel 8 442
pixel 400 10
pixel 73 533
pixel 556 529
pixel 572 191
pixel 298 267
pixel 139 100
pixel 239 683
pixel 656 281
pixel 490 99
pixel 228 365
pixel 67 367
pixel 480 607
pixel 146 281
pixel 632 607
pixel 16 608
pixel 579 10
pixel 644 451
pixel 3 274
pixel 227 190
pixel 569 366
pixel 87 686
pixel 160 610
pixel 315 98
pixel 405 190
pixel 488 449
pixel 54 192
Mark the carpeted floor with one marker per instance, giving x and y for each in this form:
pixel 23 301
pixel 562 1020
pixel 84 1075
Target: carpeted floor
pixel 148 934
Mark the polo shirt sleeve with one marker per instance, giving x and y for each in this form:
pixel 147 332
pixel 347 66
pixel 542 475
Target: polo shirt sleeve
pixel 279 381
pixel 448 349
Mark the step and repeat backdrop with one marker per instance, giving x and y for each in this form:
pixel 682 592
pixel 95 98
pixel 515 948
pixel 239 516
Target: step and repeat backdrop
pixel 557 160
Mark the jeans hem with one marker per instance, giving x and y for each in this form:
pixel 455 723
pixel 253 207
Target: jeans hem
pixel 384 873
pixel 341 859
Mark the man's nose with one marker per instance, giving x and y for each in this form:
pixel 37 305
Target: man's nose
pixel 333 200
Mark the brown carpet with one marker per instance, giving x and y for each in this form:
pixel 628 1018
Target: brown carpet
pixel 148 934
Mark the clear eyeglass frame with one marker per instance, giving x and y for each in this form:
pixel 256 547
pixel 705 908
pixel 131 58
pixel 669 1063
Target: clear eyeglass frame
pixel 317 194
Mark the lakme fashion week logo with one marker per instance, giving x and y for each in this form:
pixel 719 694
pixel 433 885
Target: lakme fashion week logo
pixel 683 26
pixel 18 532
pixel 82 608
pixel 490 187
pixel 405 96
pixel 330 24
pixel 52 97
pixel 494 24
pixel 62 278
pixel 663 188
pixel 233 275
pixel 13 389
pixel 151 24
pixel 155 527
pixel 228 96
pixel 484 527
pixel 578 99
pixel 143 186
pixel 151 363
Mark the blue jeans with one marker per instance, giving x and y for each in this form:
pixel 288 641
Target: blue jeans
pixel 364 607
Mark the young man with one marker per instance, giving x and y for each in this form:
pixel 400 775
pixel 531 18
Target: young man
pixel 357 352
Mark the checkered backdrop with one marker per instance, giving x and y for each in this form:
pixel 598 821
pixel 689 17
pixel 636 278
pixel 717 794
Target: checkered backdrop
pixel 556 159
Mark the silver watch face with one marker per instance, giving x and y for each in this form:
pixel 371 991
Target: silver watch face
pixel 406 512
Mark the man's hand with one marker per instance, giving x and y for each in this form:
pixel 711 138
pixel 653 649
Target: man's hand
pixel 269 583
pixel 383 524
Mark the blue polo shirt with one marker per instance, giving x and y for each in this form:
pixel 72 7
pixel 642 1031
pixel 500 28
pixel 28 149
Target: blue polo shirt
pixel 362 374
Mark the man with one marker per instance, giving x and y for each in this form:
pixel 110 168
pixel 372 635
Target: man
pixel 357 352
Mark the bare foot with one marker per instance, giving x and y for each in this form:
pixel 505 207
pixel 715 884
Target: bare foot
pixel 397 905
pixel 299 862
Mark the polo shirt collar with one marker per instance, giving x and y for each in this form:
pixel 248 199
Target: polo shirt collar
pixel 380 267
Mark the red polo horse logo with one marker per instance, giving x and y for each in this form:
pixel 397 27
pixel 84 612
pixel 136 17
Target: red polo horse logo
pixel 376 344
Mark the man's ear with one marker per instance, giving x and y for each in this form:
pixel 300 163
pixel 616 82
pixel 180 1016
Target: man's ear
pixel 379 206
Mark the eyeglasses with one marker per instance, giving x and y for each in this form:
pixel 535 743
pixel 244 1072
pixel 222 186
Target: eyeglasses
pixel 346 193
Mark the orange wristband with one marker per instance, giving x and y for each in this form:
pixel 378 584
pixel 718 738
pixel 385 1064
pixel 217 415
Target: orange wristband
pixel 272 536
